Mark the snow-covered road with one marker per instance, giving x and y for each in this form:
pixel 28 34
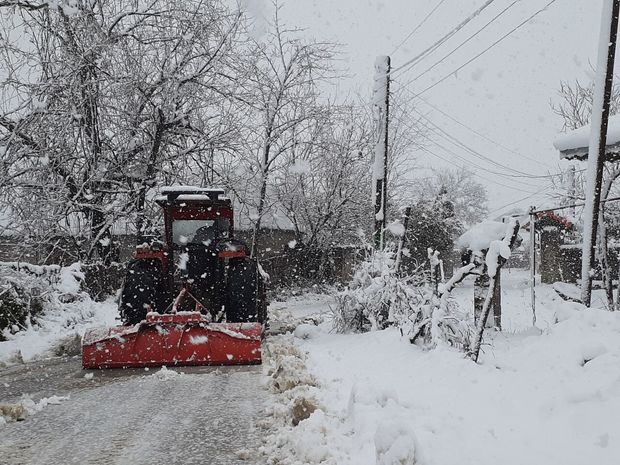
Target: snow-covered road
pixel 205 415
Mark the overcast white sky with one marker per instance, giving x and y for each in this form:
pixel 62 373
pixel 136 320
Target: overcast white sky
pixel 504 94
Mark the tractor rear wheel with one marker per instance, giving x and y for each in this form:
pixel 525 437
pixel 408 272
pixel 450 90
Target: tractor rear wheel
pixel 141 291
pixel 245 300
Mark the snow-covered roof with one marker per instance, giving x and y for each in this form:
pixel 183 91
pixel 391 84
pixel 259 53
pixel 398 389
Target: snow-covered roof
pixel 574 144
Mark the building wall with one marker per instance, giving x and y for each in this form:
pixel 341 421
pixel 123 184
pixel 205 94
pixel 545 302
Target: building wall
pixel 283 260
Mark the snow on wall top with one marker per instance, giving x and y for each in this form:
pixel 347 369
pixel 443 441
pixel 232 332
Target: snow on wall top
pixel 574 144
pixel 480 236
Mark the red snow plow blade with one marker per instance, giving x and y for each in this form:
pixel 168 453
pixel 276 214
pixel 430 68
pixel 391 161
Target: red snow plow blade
pixel 174 339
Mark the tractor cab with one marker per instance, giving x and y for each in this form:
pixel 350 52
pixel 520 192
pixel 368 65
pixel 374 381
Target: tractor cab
pixel 199 258
pixel 195 216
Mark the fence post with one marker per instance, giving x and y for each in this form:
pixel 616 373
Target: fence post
pixel 533 262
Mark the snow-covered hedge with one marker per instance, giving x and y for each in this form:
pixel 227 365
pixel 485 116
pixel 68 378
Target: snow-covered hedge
pixel 27 291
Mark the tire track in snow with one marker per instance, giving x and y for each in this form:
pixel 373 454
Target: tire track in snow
pixel 192 418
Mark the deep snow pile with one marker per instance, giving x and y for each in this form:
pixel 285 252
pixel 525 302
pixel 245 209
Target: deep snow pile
pixel 546 395
pixel 66 311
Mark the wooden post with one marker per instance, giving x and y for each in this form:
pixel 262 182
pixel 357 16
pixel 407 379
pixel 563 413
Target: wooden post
pixel 434 263
pixel 486 308
pixel 533 263
pixel 497 301
pixel 481 289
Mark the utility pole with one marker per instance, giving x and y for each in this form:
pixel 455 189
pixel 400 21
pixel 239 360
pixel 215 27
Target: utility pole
pixel 381 106
pixel 598 140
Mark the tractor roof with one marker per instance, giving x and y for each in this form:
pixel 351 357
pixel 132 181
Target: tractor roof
pixel 192 193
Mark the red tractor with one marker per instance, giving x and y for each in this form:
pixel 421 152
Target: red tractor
pixel 197 299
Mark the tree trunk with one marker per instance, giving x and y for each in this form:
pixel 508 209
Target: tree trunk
pixel 488 300
pixel 262 195
pixel 146 181
pixel 481 290
pixel 102 237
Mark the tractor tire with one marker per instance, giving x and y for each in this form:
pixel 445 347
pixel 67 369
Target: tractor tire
pixel 245 299
pixel 141 291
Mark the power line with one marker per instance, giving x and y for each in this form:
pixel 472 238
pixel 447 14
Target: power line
pixel 521 200
pixel 580 204
pixel 464 42
pixel 415 29
pixel 478 133
pixel 439 42
pixel 475 153
pixel 471 163
pixel 488 48
pixel 508 177
pixel 485 179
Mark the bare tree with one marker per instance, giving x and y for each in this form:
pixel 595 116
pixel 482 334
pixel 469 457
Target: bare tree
pixel 279 95
pixel 325 191
pixel 107 98
pixel 575 103
pixel 458 186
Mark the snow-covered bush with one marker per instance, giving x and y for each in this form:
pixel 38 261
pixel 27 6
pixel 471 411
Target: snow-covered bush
pixel 27 291
pixel 379 296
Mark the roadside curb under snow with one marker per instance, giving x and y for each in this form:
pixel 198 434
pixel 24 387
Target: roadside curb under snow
pixel 301 427
pixel 296 401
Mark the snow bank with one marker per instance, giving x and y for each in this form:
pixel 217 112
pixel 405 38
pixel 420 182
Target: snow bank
pixel 55 328
pixel 540 396
pixel 65 315
pixel 294 406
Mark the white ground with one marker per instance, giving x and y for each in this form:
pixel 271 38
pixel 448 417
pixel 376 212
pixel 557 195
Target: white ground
pixel 546 395
pixel 57 327
pixel 150 418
